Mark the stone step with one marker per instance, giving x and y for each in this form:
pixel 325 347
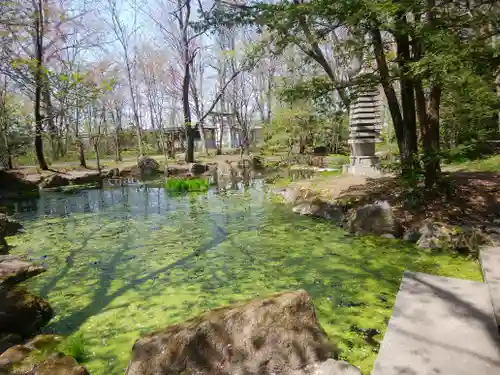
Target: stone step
pixel 490 265
pixel 440 326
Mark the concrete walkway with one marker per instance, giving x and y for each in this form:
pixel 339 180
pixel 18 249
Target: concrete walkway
pixel 490 264
pixel 440 326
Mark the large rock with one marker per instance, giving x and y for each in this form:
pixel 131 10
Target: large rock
pixel 16 186
pixel 148 166
pixel 14 270
pixel 329 367
pixel 276 335
pixel 8 340
pixel 176 170
pixel 296 196
pixel 23 360
pixel 197 168
pixel 21 312
pixel 59 364
pixel 53 181
pixel 436 235
pixel 319 208
pixel 9 226
pixel 113 173
pixel 84 178
pixel 13 356
pixel 377 219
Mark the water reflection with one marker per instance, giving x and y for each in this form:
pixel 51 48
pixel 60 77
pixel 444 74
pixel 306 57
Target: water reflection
pixel 131 201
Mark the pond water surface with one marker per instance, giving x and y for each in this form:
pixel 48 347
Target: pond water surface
pixel 127 261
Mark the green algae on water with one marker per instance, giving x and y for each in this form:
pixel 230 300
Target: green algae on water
pixel 146 260
pixel 182 185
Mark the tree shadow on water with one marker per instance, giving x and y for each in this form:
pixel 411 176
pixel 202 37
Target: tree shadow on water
pixel 101 297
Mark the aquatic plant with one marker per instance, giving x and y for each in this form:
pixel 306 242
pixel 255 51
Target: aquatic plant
pixel 130 261
pixel 184 185
pixel 76 346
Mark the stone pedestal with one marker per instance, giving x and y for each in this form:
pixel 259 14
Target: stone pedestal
pixel 364 128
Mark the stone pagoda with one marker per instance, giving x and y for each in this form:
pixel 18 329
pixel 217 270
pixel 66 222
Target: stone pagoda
pixel 364 129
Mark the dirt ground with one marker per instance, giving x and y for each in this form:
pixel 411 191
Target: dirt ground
pixel 464 198
pixel 329 188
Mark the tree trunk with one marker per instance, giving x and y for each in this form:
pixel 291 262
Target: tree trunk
pixel 38 40
pixel 221 131
pixel 81 151
pixel 118 154
pixel 7 150
pixel 409 131
pixel 429 128
pixel 117 119
pixel 429 114
pixel 39 125
pixel 406 140
pixel 302 146
pixel 49 112
pixel 190 130
pixel 97 156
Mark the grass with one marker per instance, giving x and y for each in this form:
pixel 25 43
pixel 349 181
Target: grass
pixel 146 261
pixel 76 346
pixel 488 164
pixel 182 185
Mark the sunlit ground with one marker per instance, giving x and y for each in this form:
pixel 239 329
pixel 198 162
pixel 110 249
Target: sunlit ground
pixel 142 261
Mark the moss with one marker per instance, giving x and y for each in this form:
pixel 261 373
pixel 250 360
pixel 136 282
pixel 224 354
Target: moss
pixel 145 264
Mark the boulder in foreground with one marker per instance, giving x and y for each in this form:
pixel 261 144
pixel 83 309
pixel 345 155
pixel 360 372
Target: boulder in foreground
pixel 14 270
pixel 9 226
pixel 21 312
pixel 275 335
pixel 22 360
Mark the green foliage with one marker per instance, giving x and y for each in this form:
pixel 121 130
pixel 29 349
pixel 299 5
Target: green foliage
pixel 301 124
pixel 455 53
pixel 77 347
pixel 185 185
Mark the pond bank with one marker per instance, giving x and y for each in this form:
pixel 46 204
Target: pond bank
pixel 462 214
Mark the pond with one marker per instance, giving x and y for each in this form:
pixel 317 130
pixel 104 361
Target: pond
pixel 127 261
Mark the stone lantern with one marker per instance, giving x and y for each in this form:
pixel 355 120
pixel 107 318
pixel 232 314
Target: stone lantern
pixel 364 129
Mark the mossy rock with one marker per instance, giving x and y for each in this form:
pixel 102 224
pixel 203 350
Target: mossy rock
pixel 23 360
pixel 14 270
pixel 21 312
pixel 437 235
pixel 60 364
pixel 278 334
pixel 45 342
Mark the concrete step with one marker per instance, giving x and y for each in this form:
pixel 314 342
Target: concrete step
pixel 490 265
pixel 440 326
